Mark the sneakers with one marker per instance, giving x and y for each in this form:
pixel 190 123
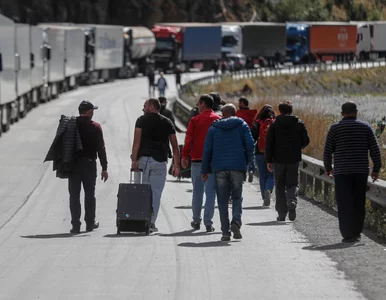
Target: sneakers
pixel 235 228
pixel 209 228
pixel 92 227
pixel 195 225
pixel 75 230
pixel 354 239
pixel 292 211
pixel 281 218
pixel 225 238
pixel 250 176
pixel 153 228
pixel 267 198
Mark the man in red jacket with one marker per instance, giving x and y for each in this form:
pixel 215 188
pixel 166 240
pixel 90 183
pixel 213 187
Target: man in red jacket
pixel 248 115
pixel 194 146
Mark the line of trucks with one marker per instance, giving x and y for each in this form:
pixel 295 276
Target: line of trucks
pixel 37 63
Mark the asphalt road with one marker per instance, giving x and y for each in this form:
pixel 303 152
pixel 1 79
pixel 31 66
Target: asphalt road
pixel 39 259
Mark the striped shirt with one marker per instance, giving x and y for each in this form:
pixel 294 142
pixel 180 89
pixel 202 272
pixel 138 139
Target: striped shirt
pixel 349 142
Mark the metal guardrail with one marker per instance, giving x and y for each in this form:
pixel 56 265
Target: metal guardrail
pixel 286 70
pixel 314 181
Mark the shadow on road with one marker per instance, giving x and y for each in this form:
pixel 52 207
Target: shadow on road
pixel 128 234
pixel 190 232
pixel 332 246
pixel 270 223
pixel 54 236
pixel 205 244
pixel 256 208
pixel 189 207
pixel 178 181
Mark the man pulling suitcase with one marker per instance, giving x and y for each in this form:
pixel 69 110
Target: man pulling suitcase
pixel 150 151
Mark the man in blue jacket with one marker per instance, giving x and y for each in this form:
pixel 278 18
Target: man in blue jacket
pixel 232 138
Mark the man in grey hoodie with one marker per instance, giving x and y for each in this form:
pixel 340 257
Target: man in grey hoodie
pixel 286 138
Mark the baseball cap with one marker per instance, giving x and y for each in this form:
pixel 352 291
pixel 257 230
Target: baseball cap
pixel 86 105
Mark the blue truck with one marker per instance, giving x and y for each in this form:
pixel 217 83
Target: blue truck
pixel 298 43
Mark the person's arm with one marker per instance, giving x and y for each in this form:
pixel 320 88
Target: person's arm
pixel 329 149
pixel 101 150
pixel 270 144
pixel 176 154
pixel 249 143
pixel 207 154
pixel 305 139
pixel 375 154
pixel 188 140
pixel 136 143
pixel 255 130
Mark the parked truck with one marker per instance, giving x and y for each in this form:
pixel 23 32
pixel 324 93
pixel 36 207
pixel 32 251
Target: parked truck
pixel 308 42
pixel 371 40
pixel 139 44
pixel 168 52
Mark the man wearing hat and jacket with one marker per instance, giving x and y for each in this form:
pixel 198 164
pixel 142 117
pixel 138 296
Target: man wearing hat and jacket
pixel 85 168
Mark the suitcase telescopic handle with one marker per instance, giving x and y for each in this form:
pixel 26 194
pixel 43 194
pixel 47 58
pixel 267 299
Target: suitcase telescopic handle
pixel 132 170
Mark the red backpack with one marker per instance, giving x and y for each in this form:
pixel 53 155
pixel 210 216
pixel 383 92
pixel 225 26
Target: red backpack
pixel 263 130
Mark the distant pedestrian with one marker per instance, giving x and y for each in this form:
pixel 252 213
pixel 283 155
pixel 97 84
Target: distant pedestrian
pixel 162 85
pixel 150 151
pixel 348 145
pixel 178 73
pixel 264 120
pixel 151 79
pixel 194 146
pixel 168 113
pixel 286 138
pixel 232 138
pixel 248 115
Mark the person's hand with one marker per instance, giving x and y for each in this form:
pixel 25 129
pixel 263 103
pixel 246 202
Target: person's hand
pixel 270 167
pixel 176 171
pixel 204 177
pixel 134 164
pixel 184 163
pixel 374 176
pixel 104 176
pixel 330 173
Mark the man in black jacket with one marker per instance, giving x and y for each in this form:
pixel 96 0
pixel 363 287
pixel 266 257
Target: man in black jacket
pixel 286 138
pixel 168 113
pixel 85 169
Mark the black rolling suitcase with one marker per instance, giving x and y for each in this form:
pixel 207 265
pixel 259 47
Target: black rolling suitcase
pixel 135 207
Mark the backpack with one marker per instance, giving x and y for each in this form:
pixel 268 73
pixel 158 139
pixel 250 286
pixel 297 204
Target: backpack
pixel 263 130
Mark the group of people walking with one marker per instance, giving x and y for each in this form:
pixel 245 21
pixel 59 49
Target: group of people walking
pixel 223 144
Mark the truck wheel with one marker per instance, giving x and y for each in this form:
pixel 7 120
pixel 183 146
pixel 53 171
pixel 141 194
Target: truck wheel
pixel 24 104
pixel 6 114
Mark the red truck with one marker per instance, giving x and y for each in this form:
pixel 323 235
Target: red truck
pixel 168 51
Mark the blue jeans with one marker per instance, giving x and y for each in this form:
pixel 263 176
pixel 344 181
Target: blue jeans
pixel 154 173
pixel 266 178
pixel 161 92
pixel 229 185
pixel 199 185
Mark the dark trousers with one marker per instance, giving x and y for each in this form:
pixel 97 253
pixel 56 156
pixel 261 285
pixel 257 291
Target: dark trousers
pixel 83 173
pixel 350 194
pixel 286 186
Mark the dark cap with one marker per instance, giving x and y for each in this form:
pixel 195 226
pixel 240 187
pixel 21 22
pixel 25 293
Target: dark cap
pixel 349 108
pixel 85 106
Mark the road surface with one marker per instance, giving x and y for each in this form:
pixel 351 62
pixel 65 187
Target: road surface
pixel 39 259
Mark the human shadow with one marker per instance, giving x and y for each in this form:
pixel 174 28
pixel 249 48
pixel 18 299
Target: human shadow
pixel 178 181
pixel 336 246
pixel 189 191
pixel 190 232
pixel 256 208
pixel 205 244
pixel 55 235
pixel 129 234
pixel 190 207
pixel 270 223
